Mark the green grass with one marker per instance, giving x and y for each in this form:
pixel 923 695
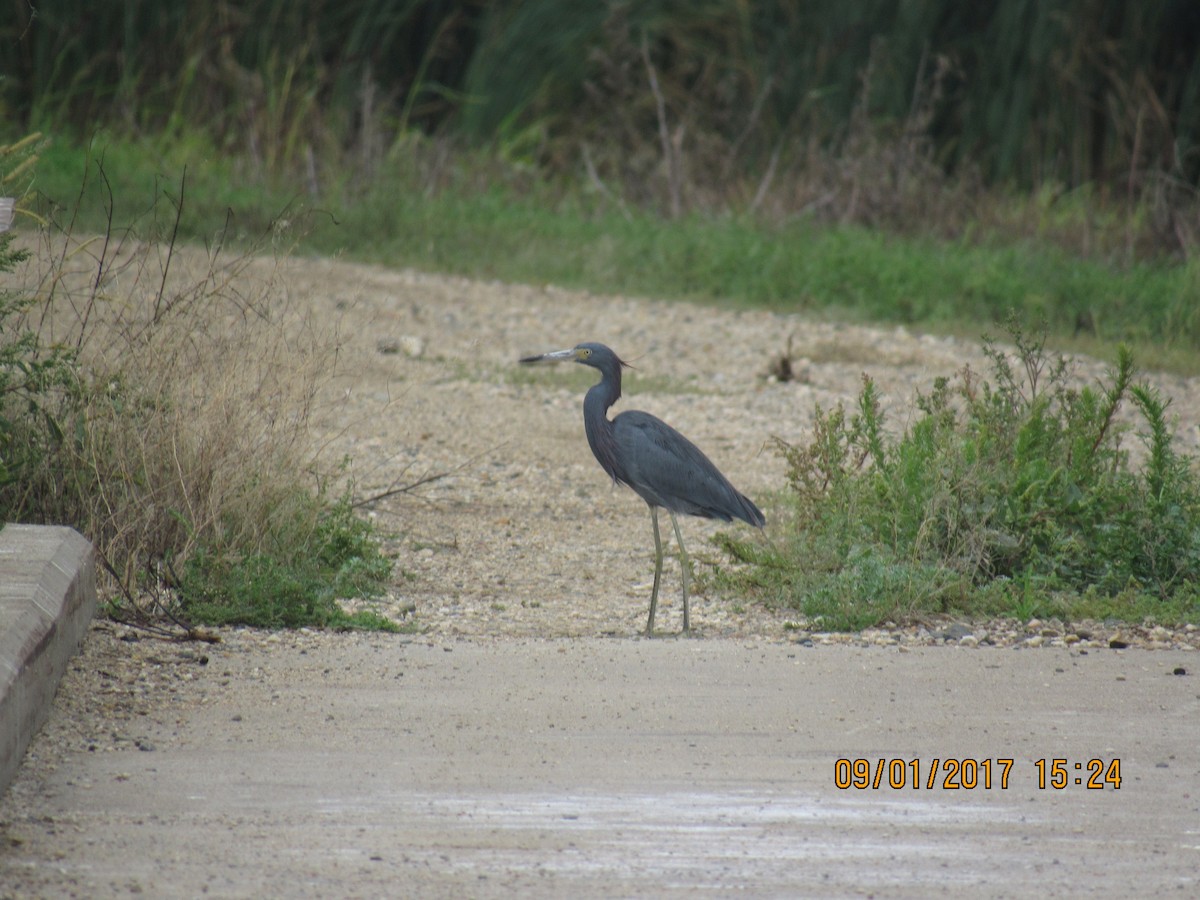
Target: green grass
pixel 138 184
pixel 849 272
pixel 515 230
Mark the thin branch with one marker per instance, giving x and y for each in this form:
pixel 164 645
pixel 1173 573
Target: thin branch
pixel 751 124
pixel 424 480
pixel 186 632
pixel 162 288
pixel 670 155
pixel 101 268
pixel 600 185
pixel 310 168
pixel 768 177
pixel 403 489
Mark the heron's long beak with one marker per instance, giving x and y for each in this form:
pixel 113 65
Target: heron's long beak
pixel 555 356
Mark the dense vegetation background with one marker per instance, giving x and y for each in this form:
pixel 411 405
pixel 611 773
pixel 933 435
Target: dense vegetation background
pixel 1065 94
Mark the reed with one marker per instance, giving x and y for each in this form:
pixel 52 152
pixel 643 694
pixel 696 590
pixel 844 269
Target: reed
pixel 1027 91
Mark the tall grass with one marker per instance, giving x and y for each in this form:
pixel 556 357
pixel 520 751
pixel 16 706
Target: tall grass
pixel 169 424
pixel 194 391
pixel 845 110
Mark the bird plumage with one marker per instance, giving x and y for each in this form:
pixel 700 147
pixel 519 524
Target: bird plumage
pixel 658 463
pixel 670 471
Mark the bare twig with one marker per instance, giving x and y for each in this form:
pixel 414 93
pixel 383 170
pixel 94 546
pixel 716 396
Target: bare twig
pixel 142 622
pixel 403 489
pixel 1131 183
pixel 422 481
pixel 162 288
pixel 60 264
pixel 670 153
pixel 367 121
pixel 768 176
pixel 594 176
pixel 33 14
pixel 751 124
pixel 310 167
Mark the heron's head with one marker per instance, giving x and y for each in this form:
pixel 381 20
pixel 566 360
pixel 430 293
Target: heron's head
pixel 588 353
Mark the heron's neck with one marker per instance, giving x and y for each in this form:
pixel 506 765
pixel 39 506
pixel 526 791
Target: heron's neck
pixel 596 423
pixel 597 401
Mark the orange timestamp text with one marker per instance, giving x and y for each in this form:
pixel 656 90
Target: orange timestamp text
pixel 966 774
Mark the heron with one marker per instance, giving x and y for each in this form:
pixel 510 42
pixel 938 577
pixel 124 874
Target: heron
pixel 658 463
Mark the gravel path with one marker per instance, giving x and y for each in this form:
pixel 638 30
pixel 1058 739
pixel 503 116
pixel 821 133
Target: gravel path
pixel 528 574
pixel 525 535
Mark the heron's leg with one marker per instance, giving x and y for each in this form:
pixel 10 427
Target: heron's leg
pixel 657 571
pixel 686 565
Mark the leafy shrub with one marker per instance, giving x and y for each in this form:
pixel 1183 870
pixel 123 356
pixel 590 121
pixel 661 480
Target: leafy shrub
pixel 36 377
pixel 300 584
pixel 32 379
pixel 998 488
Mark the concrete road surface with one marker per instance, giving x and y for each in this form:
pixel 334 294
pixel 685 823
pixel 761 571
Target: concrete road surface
pixel 379 766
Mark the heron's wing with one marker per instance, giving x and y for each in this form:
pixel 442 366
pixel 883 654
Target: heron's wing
pixel 668 470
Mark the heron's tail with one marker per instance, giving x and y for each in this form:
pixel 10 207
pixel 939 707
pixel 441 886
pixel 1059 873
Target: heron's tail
pixel 748 512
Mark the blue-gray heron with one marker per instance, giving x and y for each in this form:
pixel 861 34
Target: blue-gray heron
pixel 661 466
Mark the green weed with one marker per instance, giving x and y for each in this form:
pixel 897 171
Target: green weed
pixel 36 376
pixel 35 383
pixel 1010 495
pixel 299 583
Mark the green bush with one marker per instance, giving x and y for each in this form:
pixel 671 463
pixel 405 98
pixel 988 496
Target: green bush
pixel 35 392
pixel 299 584
pixel 999 490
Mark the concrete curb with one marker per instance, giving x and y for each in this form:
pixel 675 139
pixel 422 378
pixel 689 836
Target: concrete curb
pixel 47 600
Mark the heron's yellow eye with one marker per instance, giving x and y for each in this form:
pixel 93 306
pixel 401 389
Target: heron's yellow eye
pixel 584 353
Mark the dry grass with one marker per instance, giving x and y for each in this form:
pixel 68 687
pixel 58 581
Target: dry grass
pixel 188 426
